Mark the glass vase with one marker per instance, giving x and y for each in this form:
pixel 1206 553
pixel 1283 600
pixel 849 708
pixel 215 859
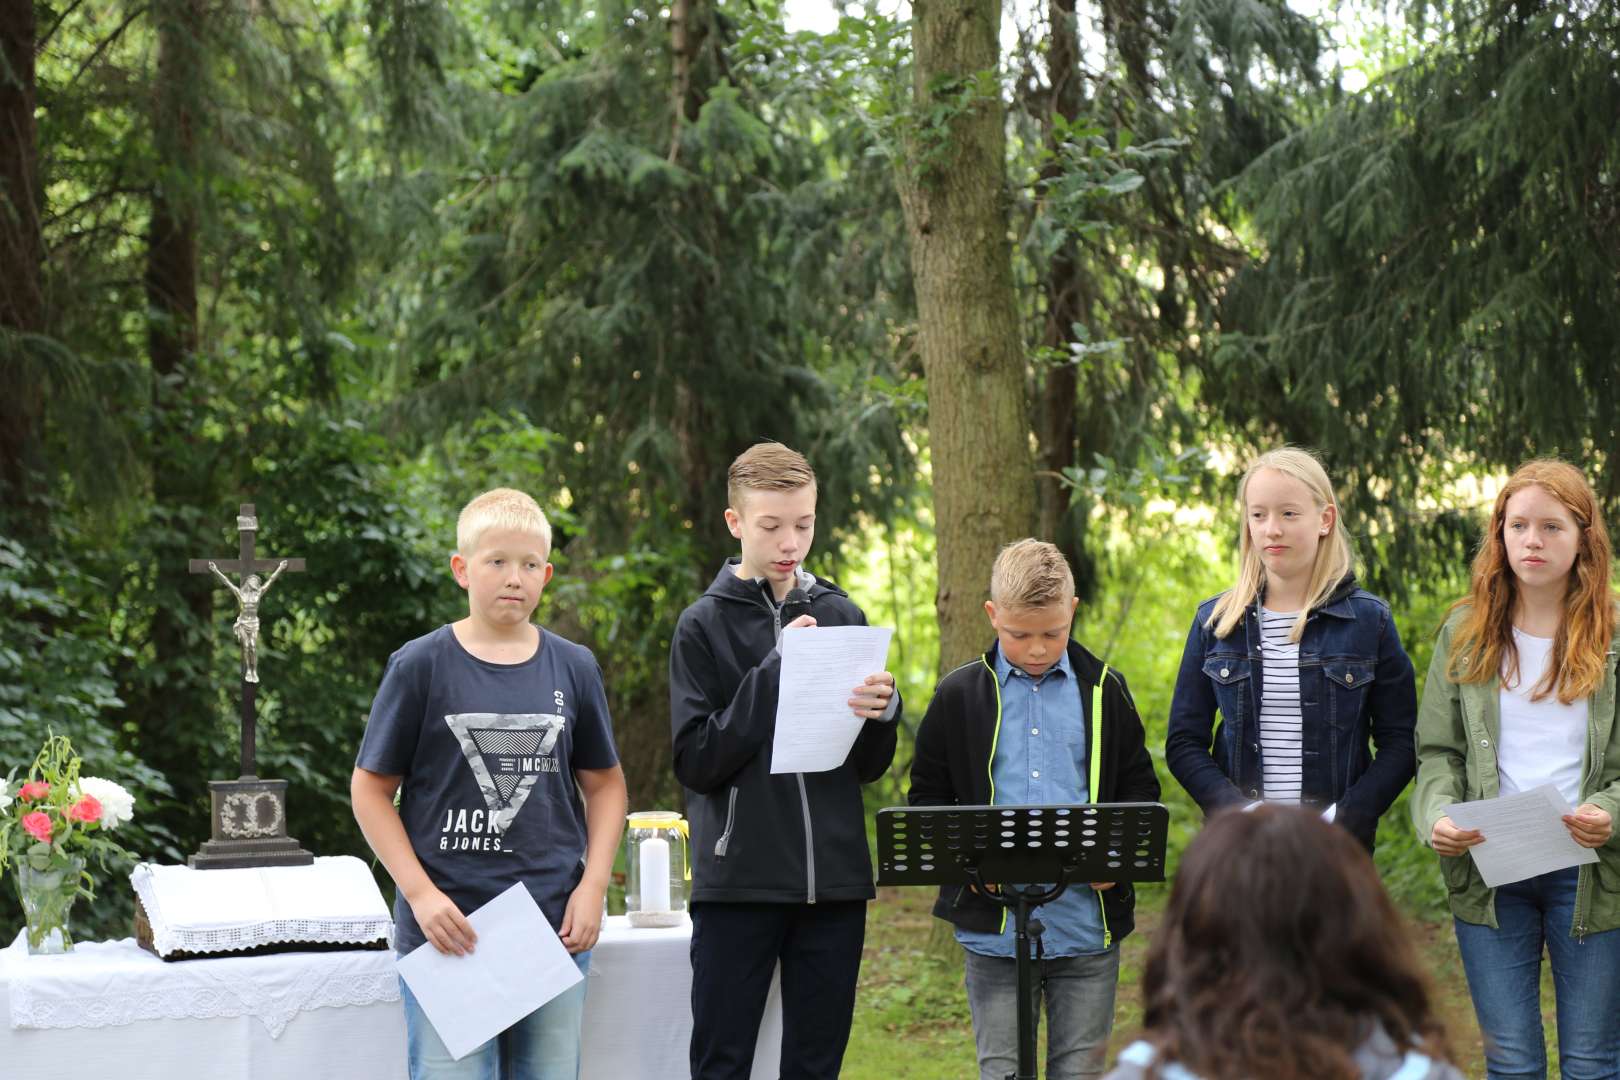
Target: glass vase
pixel 47 901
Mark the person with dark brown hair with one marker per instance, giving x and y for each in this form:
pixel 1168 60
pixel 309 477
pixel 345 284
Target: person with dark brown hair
pixel 1282 957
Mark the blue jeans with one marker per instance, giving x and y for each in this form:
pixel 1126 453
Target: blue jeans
pixel 1504 979
pixel 542 1046
pixel 1079 995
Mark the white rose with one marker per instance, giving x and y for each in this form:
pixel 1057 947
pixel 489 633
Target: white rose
pixel 5 793
pixel 117 805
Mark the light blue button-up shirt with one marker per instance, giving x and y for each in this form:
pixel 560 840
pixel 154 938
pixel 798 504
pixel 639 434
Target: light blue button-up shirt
pixel 1040 760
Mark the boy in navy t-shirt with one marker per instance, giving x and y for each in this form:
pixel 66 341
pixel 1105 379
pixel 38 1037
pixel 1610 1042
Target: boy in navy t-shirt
pixel 485 727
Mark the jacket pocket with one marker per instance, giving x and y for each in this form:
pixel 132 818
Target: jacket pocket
pixel 1349 676
pixel 1227 671
pixel 724 842
pixel 1606 872
pixel 1457 870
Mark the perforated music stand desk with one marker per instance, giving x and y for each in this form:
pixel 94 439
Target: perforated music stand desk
pixel 1033 853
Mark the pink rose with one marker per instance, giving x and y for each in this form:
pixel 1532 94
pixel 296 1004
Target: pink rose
pixel 38 825
pixel 35 789
pixel 86 809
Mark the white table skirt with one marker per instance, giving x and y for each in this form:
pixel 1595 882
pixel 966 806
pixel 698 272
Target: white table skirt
pixel 637 1026
pixel 638 1007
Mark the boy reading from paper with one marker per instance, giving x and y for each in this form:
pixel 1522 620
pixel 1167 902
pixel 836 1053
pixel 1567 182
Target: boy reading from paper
pixel 491 728
pixel 780 866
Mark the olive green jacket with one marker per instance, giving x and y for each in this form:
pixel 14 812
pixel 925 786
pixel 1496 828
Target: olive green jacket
pixel 1456 750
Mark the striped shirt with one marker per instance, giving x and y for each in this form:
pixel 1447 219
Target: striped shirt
pixel 1281 722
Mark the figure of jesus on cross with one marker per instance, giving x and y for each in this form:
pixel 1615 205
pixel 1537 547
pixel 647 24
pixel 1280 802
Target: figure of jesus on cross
pixel 247 620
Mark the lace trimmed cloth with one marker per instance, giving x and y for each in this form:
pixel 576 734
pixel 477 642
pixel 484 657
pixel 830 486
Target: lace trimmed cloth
pixel 111 983
pixel 333 901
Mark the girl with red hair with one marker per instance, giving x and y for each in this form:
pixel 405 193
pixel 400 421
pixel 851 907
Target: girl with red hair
pixel 1521 694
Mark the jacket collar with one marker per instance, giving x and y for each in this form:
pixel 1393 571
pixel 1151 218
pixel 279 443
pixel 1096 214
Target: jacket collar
pixel 1336 605
pixel 1086 667
pixel 728 586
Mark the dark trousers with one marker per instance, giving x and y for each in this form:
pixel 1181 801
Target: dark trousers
pixel 735 948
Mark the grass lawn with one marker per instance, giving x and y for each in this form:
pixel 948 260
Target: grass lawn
pixel 911 1014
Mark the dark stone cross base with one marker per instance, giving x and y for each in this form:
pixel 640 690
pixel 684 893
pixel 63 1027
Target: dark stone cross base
pixel 250 827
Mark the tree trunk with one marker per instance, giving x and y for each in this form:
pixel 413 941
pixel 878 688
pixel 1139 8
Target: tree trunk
pixel 22 298
pixel 173 716
pixel 688 32
pixel 1068 301
pixel 954 190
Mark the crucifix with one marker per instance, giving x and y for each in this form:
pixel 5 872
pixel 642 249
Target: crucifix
pixel 249 814
pixel 246 626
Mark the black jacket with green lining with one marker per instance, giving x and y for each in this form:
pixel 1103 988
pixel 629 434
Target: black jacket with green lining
pixel 951 767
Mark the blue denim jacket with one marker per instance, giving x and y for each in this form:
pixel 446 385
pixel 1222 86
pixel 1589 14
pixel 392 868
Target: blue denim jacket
pixel 1357 694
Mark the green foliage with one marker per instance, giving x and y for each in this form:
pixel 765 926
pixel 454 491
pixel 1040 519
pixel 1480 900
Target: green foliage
pixel 1431 301
pixel 57 666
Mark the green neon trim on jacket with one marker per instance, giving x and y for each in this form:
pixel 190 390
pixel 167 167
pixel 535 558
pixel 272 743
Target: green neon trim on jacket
pixel 990 765
pixel 1095 750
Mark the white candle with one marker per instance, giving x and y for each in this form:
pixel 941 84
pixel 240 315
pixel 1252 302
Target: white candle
pixel 655 874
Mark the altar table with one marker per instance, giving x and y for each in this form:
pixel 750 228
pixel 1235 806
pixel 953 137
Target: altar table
pixel 337 1015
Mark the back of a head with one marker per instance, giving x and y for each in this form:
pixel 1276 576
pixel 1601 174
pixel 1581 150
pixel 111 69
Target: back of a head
pixel 501 508
pixel 766 466
pixel 1279 951
pixel 1030 574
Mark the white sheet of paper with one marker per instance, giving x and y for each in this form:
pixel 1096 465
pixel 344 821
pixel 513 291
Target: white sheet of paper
pixel 821 667
pixel 518 964
pixel 1524 835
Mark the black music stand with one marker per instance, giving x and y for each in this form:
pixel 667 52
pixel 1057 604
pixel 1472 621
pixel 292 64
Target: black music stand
pixel 1033 853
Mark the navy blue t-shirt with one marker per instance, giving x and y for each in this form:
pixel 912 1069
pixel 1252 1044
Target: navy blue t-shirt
pixel 488 753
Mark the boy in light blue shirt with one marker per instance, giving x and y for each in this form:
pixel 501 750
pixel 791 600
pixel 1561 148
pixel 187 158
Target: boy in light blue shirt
pixel 1036 720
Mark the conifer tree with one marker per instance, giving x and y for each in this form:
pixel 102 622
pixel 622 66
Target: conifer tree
pixel 1437 292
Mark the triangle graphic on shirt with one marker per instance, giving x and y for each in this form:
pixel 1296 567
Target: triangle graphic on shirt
pixel 507 753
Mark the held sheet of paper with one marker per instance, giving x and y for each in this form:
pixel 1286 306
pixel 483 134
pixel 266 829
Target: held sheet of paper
pixel 821 666
pixel 518 964
pixel 1524 835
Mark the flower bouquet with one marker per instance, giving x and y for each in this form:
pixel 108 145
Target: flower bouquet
pixel 50 824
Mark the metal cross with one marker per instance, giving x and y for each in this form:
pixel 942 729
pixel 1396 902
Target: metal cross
pixel 247 623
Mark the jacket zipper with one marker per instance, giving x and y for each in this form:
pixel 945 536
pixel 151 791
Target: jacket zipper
pixel 721 844
pixel 809 845
pixel 804 795
pixel 990 762
pixel 1094 750
pixel 1583 897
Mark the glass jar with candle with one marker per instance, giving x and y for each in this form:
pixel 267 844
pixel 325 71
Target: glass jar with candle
pixel 656 871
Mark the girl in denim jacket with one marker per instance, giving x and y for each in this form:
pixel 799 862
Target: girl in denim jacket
pixel 1521 695
pixel 1306 670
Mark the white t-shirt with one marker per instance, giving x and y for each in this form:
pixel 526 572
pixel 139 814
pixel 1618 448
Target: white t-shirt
pixel 1541 742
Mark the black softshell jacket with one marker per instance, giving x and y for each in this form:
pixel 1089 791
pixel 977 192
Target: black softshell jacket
pixel 759 837
pixel 955 745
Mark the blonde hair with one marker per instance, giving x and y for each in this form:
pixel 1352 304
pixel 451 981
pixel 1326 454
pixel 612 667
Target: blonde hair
pixel 1030 573
pixel 1334 558
pixel 767 466
pixel 501 508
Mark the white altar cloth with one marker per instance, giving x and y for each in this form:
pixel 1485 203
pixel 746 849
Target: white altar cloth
pixel 334 900
pixel 177 1028
pixel 637 1024
pixel 113 983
